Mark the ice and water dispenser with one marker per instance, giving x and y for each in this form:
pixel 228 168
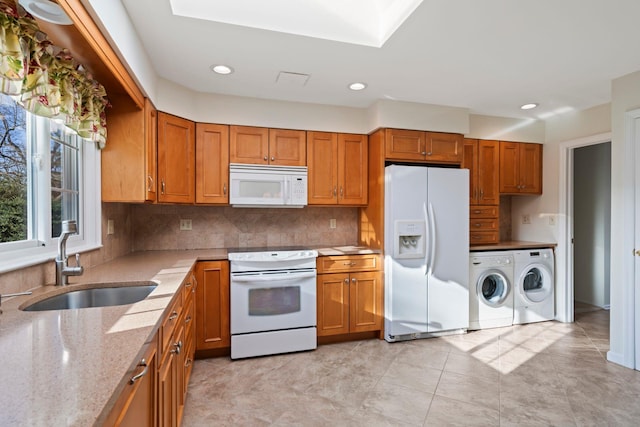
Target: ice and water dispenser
pixel 409 239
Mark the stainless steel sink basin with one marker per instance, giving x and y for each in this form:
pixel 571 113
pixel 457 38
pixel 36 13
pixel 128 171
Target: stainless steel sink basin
pixel 103 295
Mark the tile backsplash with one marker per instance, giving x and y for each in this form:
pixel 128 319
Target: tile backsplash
pixel 157 227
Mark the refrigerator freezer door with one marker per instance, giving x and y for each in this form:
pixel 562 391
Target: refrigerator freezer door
pixel 448 281
pixel 405 281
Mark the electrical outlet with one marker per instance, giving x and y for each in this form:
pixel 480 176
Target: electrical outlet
pixel 332 223
pixel 110 228
pixel 552 220
pixel 185 224
pixel 526 219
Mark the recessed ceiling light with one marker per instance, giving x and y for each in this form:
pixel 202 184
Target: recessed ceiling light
pixel 47 11
pixel 221 69
pixel 357 86
pixel 528 106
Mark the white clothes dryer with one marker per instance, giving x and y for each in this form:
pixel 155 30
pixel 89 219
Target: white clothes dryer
pixel 491 290
pixel 534 289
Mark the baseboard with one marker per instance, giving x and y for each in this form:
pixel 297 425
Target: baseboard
pixel 606 307
pixel 617 358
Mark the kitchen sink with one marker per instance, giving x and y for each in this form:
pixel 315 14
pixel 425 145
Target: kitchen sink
pixel 102 295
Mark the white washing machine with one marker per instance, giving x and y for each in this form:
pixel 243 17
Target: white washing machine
pixel 491 290
pixel 534 286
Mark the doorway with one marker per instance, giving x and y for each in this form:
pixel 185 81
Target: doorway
pixel 591 226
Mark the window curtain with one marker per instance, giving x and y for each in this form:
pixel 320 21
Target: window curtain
pixel 45 79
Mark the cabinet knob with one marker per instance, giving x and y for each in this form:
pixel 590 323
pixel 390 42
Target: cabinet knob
pixel 273 158
pixel 266 158
pixel 424 153
pixel 353 280
pixel 346 281
pixel 341 192
pixel 429 153
pixel 224 189
pixel 335 191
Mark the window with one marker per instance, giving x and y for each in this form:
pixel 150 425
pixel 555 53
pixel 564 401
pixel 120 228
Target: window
pixel 47 175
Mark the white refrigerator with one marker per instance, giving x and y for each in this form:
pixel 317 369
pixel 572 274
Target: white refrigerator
pixel 426 251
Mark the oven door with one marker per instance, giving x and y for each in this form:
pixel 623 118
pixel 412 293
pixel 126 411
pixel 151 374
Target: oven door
pixel 272 300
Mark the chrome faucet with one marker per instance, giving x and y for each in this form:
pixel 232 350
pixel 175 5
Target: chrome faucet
pixel 63 271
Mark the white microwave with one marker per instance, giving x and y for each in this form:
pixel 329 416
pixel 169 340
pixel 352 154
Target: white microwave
pixel 261 186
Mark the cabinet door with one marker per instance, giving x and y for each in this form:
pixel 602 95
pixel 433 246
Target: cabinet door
pixel 404 144
pixel 212 163
pixel 365 302
pixel 168 392
pixel 129 158
pixel 531 168
pixel 469 161
pixel 287 147
pixel 488 172
pixel 136 406
pixel 333 304
pixel 322 161
pixel 509 164
pixel 212 305
pixel 151 141
pixel 352 169
pixel 248 145
pixel 176 159
pixel 443 147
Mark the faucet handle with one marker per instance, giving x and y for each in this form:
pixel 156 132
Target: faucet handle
pixel 78 260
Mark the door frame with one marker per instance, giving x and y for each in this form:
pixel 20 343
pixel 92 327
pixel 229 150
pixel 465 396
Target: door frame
pixel 564 250
pixel 631 266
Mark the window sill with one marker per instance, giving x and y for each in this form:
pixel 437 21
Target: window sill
pixel 30 257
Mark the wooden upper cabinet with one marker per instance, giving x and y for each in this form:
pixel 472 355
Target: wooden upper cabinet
pixel 287 147
pixel 520 168
pixel 264 146
pixel 482 157
pixel 428 147
pixel 249 145
pixel 129 158
pixel 322 160
pixel 352 169
pixel 443 147
pixel 338 168
pixel 404 144
pixel 176 159
pixel 212 163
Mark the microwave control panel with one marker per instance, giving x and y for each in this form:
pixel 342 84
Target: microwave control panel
pixel 298 190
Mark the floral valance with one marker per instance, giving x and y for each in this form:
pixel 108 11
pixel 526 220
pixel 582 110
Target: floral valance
pixel 45 79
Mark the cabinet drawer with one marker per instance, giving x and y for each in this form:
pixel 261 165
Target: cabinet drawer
pixel 483 237
pixel 484 224
pixel 172 317
pixel 483 212
pixel 348 263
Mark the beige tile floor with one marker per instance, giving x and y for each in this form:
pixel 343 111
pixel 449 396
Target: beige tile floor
pixel 545 373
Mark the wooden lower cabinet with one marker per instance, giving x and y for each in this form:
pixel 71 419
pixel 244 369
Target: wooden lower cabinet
pixel 484 225
pixel 212 306
pixel 349 301
pixel 136 406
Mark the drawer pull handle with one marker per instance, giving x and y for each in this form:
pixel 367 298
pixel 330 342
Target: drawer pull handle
pixel 135 378
pixel 351 263
pixel 477 224
pixel 173 315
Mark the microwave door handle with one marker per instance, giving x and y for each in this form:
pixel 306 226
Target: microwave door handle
pixel 286 196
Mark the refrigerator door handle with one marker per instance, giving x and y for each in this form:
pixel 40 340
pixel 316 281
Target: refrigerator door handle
pixel 432 239
pixel 427 243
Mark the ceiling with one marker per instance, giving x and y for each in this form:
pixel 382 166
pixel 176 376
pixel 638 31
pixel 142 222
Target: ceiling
pixel 489 56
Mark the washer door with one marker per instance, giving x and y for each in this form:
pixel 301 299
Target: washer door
pixel 493 288
pixel 535 283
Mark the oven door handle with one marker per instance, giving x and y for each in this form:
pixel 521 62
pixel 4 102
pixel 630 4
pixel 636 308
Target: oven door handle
pixel 269 277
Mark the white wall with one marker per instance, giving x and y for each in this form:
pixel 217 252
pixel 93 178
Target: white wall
pixel 506 129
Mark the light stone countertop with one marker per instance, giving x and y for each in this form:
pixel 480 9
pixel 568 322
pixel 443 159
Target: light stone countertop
pixel 67 367
pixel 512 245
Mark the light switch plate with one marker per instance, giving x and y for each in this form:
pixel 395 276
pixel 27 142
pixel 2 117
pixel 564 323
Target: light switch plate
pixel 332 223
pixel 110 227
pixel 526 219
